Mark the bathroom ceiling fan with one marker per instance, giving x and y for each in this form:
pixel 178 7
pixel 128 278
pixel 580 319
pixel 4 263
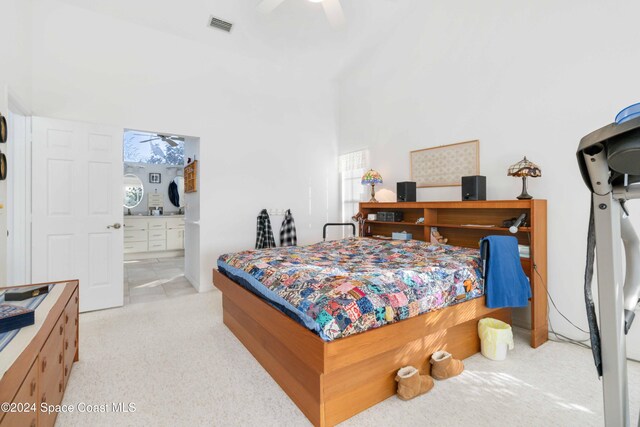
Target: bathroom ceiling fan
pixel 169 139
pixel 332 8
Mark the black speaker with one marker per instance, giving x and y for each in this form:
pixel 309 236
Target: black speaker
pixel 406 191
pixel 474 187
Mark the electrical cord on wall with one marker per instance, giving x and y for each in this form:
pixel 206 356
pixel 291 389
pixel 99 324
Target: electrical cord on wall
pixel 559 337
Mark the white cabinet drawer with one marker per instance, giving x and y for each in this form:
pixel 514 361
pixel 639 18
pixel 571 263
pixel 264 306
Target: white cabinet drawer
pixel 135 224
pixel 175 223
pixel 175 240
pixel 157 235
pixel 157 224
pixel 133 247
pixel 158 245
pixel 135 236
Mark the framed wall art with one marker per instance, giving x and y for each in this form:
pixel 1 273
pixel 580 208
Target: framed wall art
pixel 155 178
pixel 444 166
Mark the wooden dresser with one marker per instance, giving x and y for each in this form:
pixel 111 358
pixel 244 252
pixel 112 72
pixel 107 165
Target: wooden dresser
pixel 36 364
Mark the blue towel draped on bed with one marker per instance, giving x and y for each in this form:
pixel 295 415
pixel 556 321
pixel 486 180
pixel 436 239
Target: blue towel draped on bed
pixel 506 285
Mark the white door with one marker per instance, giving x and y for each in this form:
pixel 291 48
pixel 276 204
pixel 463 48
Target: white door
pixel 77 209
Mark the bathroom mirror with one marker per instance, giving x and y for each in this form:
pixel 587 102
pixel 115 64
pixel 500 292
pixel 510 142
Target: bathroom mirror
pixel 176 192
pixel 133 191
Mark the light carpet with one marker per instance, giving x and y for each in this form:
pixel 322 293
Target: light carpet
pixel 180 366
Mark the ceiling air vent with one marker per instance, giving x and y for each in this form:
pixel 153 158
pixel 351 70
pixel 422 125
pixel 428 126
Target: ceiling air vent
pixel 220 24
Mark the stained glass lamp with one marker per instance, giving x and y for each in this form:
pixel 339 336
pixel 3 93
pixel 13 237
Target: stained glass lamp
pixel 372 177
pixel 523 169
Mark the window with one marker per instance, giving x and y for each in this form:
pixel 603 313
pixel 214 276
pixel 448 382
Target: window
pixel 352 166
pixel 142 147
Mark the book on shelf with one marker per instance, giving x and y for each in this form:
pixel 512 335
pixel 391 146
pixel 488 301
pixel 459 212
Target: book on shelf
pixel 15 317
pixel 525 251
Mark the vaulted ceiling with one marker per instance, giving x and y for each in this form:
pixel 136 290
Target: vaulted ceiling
pixel 296 32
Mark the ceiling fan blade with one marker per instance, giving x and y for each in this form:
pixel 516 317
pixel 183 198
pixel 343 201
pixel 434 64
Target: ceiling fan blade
pixel 171 142
pixel 149 140
pixel 177 138
pixel 267 6
pixel 333 10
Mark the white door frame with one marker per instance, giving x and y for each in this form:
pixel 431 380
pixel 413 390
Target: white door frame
pixel 19 232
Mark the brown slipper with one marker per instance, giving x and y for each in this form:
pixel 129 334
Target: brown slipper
pixel 411 383
pixel 445 366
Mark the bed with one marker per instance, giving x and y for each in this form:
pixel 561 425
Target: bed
pixel 340 288
pixel 333 322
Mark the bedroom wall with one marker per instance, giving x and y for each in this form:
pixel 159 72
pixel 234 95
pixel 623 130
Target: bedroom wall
pixel 15 79
pixel 267 136
pixel 523 79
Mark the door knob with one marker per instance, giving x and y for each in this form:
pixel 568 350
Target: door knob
pixel 116 225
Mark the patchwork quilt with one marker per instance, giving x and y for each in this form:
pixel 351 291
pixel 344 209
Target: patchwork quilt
pixel 344 287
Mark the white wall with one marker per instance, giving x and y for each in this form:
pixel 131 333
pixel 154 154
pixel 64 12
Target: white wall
pixel 267 136
pixel 525 79
pixel 193 268
pixel 15 80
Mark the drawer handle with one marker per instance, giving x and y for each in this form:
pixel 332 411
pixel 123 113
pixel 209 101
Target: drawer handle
pixel 66 319
pixel 44 398
pixel 66 371
pixel 44 364
pixel 66 344
pixel 61 329
pixel 60 358
pixel 76 299
pixel 33 388
pixel 60 386
pixel 76 321
pixel 75 343
pixel 33 423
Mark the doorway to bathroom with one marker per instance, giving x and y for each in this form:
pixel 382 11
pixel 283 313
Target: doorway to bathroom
pixel 160 216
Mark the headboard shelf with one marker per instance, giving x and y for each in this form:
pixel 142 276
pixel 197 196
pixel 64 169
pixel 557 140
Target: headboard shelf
pixel 465 223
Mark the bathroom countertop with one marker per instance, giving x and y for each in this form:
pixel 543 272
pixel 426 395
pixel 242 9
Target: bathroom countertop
pixel 153 216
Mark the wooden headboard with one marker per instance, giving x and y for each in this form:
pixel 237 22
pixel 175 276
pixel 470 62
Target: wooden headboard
pixel 465 223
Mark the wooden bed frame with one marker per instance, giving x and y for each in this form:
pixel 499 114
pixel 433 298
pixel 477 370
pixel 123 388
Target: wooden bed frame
pixel 332 381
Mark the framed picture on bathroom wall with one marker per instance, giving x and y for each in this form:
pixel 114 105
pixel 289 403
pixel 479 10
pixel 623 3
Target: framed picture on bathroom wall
pixel 155 178
pixel 445 165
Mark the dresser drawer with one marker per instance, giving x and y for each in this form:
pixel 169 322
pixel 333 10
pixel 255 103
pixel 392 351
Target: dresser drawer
pixel 134 247
pixel 26 402
pixel 157 235
pixel 157 224
pixel 135 224
pixel 135 236
pixel 175 223
pixel 70 335
pixel 51 366
pixel 157 245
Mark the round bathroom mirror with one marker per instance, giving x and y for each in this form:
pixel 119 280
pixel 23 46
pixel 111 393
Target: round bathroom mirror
pixel 176 192
pixel 133 190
